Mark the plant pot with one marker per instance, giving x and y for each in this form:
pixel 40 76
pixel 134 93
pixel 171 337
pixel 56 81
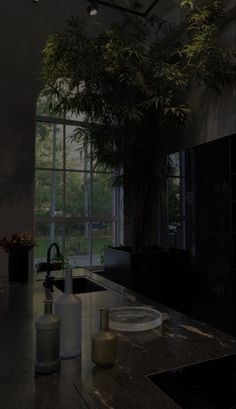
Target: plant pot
pixel 18 265
pixel 159 273
pixel 124 266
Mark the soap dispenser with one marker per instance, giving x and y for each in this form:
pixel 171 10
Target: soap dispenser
pixel 68 308
pixel 104 343
pixel 47 328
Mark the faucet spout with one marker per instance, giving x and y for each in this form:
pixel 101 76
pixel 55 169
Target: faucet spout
pixel 49 280
pixel 49 255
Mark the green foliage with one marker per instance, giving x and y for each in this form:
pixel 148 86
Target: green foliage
pixel 186 3
pixel 133 90
pixel 63 260
pixel 133 87
pixel 75 182
pixel 209 64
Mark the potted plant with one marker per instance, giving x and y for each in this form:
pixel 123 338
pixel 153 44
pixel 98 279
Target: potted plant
pixel 18 247
pixel 132 89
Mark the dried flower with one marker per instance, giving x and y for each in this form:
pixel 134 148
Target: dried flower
pixel 16 241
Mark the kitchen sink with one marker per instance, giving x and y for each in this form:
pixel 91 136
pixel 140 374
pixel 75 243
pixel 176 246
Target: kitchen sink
pixel 80 285
pixel 205 385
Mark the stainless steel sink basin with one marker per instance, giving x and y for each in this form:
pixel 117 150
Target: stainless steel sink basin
pixel 80 285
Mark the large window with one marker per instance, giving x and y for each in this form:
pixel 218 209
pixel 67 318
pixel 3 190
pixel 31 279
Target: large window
pixel 76 202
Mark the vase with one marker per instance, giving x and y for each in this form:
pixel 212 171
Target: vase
pixel 69 308
pixel 18 265
pixel 104 343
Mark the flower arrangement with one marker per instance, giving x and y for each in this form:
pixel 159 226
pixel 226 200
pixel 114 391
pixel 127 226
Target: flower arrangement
pixel 16 241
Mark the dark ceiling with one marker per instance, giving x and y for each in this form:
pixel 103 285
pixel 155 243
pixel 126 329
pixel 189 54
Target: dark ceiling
pixel 137 7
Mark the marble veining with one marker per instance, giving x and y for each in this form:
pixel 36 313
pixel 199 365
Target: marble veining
pixel 196 331
pixel 179 341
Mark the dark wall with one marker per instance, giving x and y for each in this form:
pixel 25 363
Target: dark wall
pixel 214 205
pixel 215 233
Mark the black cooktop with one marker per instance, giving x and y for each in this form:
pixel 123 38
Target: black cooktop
pixel 206 385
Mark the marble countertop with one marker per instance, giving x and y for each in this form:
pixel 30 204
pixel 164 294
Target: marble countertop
pixel 179 341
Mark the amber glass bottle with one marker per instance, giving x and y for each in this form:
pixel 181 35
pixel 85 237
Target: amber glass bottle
pixel 104 343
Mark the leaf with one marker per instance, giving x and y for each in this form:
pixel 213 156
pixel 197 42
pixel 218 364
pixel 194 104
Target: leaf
pixel 132 87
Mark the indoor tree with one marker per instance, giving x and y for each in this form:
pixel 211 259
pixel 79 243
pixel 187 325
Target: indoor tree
pixel 132 89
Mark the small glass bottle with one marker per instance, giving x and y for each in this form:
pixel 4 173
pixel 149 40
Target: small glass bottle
pixel 47 328
pixel 104 343
pixel 68 308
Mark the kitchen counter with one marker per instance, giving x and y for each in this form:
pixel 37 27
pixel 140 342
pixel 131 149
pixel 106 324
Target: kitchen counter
pixel 179 341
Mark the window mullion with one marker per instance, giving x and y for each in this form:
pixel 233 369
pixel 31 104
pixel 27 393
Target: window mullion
pixel 90 210
pixel 64 171
pixel 64 186
pixel 53 182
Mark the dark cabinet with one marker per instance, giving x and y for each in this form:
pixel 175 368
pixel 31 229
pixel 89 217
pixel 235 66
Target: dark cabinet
pixel 161 274
pixel 215 230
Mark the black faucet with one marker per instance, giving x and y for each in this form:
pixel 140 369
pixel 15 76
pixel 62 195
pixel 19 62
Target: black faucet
pixel 49 280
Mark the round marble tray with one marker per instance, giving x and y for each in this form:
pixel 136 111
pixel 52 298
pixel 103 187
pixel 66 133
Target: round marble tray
pixel 134 318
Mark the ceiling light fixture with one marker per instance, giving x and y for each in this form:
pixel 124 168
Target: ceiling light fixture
pixel 92 9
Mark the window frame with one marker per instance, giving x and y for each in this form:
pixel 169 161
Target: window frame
pixel 116 219
pixel 184 179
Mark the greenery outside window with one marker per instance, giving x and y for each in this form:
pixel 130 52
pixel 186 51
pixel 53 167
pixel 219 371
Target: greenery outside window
pixel 177 209
pixel 76 202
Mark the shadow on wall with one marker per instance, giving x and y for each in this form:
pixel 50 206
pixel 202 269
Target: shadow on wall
pixel 213 116
pixel 217 114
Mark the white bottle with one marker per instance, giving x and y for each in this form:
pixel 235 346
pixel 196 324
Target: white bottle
pixel 47 328
pixel 68 308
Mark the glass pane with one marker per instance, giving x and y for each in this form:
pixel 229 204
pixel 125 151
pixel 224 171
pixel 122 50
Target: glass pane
pixel 78 197
pixel 45 234
pixel 174 164
pixel 174 199
pixel 77 238
pixel 103 203
pixel 76 156
pixel 174 210
pixel 175 235
pixel 44 109
pixel 102 236
pixel 48 193
pixel 42 240
pixel 74 240
pixel 101 168
pixel 75 117
pixel 42 193
pixel 49 145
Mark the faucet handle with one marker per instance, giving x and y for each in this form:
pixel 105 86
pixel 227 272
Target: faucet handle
pixel 48 283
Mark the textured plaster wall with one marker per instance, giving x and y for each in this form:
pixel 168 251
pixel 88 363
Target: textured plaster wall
pixel 16 168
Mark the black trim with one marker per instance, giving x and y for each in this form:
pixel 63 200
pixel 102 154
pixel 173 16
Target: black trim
pixel 125 9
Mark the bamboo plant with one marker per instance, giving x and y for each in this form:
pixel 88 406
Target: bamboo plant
pixel 131 88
